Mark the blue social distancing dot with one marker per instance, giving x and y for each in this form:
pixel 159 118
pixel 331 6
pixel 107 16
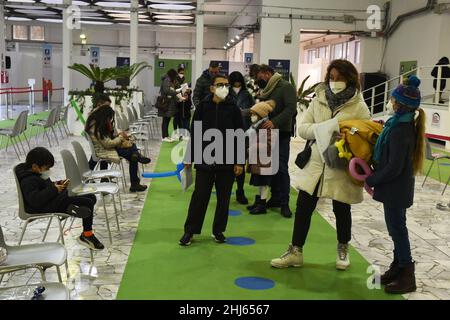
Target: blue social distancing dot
pixel 445 164
pixel 240 241
pixel 234 213
pixel 254 283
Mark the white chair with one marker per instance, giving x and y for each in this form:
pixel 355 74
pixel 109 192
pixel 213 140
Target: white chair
pixel 13 134
pixel 433 157
pixel 47 125
pixel 41 256
pixel 78 188
pixel 53 291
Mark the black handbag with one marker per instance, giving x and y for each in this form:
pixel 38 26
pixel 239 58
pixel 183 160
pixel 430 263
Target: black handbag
pixel 162 103
pixel 303 157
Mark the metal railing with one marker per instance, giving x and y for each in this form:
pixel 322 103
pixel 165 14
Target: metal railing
pixel 384 89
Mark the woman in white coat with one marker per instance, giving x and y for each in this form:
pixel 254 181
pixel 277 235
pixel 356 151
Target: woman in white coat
pixel 338 97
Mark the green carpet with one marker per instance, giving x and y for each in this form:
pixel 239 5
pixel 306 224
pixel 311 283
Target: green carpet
pixel 30 132
pixel 158 268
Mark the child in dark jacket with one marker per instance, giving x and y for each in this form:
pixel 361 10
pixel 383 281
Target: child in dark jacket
pixel 42 195
pixel 260 177
pixel 398 157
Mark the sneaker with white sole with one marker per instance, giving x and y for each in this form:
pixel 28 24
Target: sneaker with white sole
pixel 293 257
pixel 91 242
pixel 167 139
pixel 343 257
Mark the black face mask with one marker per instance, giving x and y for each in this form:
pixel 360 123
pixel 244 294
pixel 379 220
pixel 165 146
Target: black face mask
pixel 261 83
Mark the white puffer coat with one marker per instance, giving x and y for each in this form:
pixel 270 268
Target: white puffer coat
pixel 334 184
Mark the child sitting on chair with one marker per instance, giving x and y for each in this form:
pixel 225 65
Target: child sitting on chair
pixel 261 173
pixel 42 195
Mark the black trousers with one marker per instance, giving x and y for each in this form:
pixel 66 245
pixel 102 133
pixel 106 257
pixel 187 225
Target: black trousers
pixel 240 180
pixel 88 201
pixel 92 164
pixel 165 126
pixel 281 182
pixel 204 181
pixel 306 204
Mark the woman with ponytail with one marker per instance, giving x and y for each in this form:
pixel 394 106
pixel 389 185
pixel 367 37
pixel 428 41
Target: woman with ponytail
pixel 398 157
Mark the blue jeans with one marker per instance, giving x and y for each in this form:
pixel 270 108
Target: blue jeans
pixel 396 225
pixel 281 182
pixel 133 163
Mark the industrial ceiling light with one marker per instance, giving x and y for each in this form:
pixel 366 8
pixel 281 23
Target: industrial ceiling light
pixel 96 22
pixel 173 17
pixel 225 47
pixel 50 20
pixel 174 21
pixel 171 13
pixel 232 41
pixel 17 19
pixel 237 37
pixel 37 12
pixel 28 1
pixel 74 2
pixel 114 4
pixel 172 7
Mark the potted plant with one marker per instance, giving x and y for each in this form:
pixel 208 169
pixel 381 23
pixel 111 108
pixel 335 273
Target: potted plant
pixel 303 96
pixel 130 72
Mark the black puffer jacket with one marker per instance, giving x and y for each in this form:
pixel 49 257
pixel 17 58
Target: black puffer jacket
pixel 393 179
pixel 202 86
pixel 222 116
pixel 40 196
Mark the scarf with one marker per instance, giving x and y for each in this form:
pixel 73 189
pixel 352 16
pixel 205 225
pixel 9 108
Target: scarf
pixel 337 100
pixel 265 94
pixel 384 136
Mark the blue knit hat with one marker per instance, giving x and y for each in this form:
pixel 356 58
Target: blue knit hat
pixel 408 94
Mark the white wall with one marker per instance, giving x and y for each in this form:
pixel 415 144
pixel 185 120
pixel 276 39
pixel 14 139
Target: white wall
pixel 113 42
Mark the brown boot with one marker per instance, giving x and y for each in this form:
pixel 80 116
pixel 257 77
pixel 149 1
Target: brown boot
pixel 391 274
pixel 405 282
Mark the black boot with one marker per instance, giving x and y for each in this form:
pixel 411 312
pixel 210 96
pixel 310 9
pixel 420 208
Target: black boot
pixel 260 208
pixel 391 274
pixel 286 211
pixel 240 197
pixel 405 282
pixel 137 187
pixel 253 206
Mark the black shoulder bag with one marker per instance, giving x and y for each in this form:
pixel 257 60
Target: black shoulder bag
pixel 303 157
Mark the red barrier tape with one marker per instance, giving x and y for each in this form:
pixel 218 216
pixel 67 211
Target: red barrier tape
pixel 21 90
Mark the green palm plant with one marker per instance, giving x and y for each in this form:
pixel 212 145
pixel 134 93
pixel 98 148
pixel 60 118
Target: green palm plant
pixel 302 94
pixel 130 72
pixel 96 74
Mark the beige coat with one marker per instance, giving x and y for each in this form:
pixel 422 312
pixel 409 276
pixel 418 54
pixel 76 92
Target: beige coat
pixel 106 147
pixel 334 183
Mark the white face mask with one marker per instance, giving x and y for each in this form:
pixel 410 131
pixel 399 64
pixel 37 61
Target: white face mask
pixel 222 93
pixel 237 90
pixel 390 108
pixel 337 86
pixel 45 175
pixel 181 76
pixel 254 118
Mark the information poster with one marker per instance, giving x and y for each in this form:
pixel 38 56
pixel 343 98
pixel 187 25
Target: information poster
pixel 283 67
pixel 95 55
pixel 406 66
pixel 120 62
pixel 224 67
pixel 164 65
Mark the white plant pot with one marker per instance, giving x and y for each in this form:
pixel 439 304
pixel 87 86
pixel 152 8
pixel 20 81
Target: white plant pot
pixel 76 127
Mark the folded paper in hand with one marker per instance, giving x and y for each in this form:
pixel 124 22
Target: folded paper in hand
pixel 323 133
pixel 186 178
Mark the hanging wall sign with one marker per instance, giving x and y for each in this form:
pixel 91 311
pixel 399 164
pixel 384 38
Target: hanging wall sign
pixel 120 62
pixel 248 57
pixel 95 55
pixel 47 85
pixel 165 65
pixel 283 67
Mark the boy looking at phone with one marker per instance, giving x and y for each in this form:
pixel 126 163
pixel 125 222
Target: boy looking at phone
pixel 42 195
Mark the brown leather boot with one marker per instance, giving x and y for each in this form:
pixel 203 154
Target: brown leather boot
pixel 405 281
pixel 391 274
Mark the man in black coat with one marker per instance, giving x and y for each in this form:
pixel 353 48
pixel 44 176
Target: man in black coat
pixel 204 82
pixel 216 113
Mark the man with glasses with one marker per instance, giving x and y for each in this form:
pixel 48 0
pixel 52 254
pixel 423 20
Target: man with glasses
pixel 217 111
pixel 202 85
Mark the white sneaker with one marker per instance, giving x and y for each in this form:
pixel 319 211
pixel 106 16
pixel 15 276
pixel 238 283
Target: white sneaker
pixel 167 139
pixel 293 257
pixel 343 257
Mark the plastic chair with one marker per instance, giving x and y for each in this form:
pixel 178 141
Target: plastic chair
pixel 78 188
pixel 41 256
pixel 47 124
pixel 100 160
pixel 53 291
pixel 433 157
pixel 29 217
pixel 13 134
pixel 63 120
pixel 95 175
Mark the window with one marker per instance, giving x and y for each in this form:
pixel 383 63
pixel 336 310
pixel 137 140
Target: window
pixel 323 52
pixel 312 54
pixel 20 32
pixel 37 33
pixel 337 51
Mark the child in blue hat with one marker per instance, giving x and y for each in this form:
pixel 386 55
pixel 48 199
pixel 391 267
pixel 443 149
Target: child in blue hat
pixel 398 157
